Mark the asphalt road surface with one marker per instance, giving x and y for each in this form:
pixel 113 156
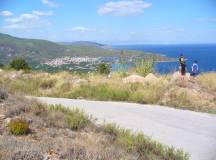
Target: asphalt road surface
pixel 193 132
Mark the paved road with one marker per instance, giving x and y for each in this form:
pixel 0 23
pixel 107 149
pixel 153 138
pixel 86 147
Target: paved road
pixel 194 132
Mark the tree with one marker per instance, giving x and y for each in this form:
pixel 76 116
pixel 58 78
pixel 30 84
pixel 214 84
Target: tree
pixel 1 65
pixel 103 68
pixel 19 64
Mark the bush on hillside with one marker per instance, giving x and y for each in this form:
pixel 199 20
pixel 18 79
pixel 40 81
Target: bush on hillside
pixel 144 67
pixel 101 92
pixel 19 64
pixel 111 129
pixel 103 68
pixel 18 127
pixel 75 118
pixel 1 65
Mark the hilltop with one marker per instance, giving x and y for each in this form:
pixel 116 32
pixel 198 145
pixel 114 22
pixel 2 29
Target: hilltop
pixel 84 43
pixel 42 49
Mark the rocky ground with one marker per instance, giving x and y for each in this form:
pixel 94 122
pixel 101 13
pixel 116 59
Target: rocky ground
pixel 49 138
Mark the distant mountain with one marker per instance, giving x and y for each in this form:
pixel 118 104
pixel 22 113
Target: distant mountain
pixel 83 43
pixel 88 44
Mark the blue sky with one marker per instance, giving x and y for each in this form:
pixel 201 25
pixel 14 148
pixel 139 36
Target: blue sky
pixel 111 21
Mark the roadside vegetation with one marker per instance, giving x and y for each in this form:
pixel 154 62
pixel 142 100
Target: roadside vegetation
pixel 208 80
pixel 144 146
pixel 31 130
pixel 135 85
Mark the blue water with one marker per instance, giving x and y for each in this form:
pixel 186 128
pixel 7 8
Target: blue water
pixel 205 54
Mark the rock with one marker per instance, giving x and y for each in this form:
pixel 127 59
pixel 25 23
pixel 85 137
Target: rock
pixel 151 78
pixel 109 76
pixel 7 121
pixel 29 120
pixel 177 76
pixel 3 94
pixel 134 79
pixel 16 74
pixel 80 81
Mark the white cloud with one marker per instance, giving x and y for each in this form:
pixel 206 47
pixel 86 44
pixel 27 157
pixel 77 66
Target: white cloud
pixel 80 29
pixel 124 8
pixel 23 17
pixel 27 21
pixel 6 13
pixel 49 3
pixel 41 13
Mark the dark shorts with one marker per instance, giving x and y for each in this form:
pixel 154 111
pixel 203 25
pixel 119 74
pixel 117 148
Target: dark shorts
pixel 183 69
pixel 194 74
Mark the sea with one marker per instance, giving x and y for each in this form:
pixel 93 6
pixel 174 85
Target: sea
pixel 204 54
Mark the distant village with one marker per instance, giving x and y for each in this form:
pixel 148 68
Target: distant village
pixel 71 60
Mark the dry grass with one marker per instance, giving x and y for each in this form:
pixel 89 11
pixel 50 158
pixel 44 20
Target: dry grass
pixel 144 146
pixel 197 96
pixel 185 98
pixel 208 80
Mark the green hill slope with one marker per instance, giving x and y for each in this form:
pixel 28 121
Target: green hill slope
pixel 41 50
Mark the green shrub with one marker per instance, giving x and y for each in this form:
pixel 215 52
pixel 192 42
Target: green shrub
pixel 103 68
pixel 111 129
pixel 75 118
pixel 144 146
pixel 144 67
pixel 101 92
pixel 126 139
pixel 18 127
pixel 19 64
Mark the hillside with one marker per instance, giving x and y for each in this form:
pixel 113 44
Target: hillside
pixel 41 50
pixel 37 51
